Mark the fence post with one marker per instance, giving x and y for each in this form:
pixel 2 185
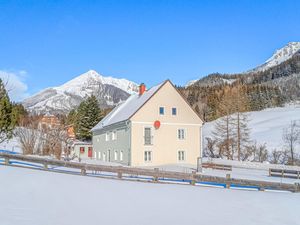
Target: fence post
pixel 119 174
pixel 155 177
pixel 193 180
pixel 227 180
pixel 6 161
pixel 45 166
pixel 297 187
pixel 83 171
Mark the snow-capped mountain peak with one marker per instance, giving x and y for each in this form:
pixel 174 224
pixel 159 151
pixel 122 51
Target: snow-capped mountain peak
pixel 108 90
pixel 280 56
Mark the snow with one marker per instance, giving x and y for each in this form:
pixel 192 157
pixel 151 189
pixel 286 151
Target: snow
pixel 127 108
pixel 266 125
pixel 75 85
pixel 11 145
pixel 30 197
pixel 279 56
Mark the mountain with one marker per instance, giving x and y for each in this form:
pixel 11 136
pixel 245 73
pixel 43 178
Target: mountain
pixel 270 85
pixel 108 90
pixel 280 56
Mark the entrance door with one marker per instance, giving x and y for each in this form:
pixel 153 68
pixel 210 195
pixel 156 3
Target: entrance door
pixel 90 152
pixel 108 155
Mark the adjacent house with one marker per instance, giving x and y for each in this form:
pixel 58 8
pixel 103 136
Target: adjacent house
pixel 82 150
pixel 154 127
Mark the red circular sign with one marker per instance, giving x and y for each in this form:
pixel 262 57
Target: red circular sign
pixel 157 124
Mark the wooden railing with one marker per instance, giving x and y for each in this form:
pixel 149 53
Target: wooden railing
pixel 156 175
pixel 295 174
pixel 217 166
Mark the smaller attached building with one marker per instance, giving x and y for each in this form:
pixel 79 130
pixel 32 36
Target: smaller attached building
pixel 82 150
pixel 154 127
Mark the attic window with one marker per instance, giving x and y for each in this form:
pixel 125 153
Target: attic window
pixel 161 110
pixel 174 111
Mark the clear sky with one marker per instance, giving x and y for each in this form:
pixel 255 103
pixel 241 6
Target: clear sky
pixel 46 43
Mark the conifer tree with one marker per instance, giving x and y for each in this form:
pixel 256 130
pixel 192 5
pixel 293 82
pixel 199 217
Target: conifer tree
pixel 88 115
pixel 7 122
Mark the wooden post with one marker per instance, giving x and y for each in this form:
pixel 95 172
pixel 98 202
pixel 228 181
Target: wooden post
pixel 228 180
pixel 193 180
pixel 6 161
pixel 297 187
pixel 119 174
pixel 45 166
pixel 83 171
pixel 155 177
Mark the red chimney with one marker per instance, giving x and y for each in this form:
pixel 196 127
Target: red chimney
pixel 142 88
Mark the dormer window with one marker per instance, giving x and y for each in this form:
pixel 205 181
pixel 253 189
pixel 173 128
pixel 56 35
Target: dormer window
pixel 161 110
pixel 174 111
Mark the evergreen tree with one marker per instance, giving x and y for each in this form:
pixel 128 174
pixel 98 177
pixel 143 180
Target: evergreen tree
pixel 88 115
pixel 7 122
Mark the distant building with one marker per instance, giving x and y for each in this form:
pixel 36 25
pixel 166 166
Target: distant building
pixel 82 150
pixel 155 127
pixel 49 121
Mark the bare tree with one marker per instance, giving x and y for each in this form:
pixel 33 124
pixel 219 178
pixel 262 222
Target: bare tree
pixel 291 136
pixel 28 136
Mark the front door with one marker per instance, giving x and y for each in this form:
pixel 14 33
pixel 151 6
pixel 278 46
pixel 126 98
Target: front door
pixel 90 152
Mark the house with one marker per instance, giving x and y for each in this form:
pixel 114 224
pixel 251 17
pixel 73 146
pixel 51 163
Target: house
pixel 49 121
pixel 154 127
pixel 82 150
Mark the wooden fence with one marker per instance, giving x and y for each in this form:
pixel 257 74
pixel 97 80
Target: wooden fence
pixel 295 174
pixel 217 166
pixel 156 175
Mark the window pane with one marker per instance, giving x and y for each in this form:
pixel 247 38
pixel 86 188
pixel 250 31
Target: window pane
pixel 174 111
pixel 147 137
pixel 161 110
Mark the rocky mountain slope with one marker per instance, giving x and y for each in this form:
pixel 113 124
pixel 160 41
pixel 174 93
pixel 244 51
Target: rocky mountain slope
pixel 108 90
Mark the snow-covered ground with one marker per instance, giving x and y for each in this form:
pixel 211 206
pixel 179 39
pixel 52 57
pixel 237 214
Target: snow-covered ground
pixel 30 197
pixel 11 145
pixel 267 125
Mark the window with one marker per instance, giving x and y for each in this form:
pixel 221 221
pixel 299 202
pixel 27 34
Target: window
pixel 121 155
pixel 114 135
pixel 99 155
pixel 161 110
pixel 181 134
pixel 95 155
pixel 81 150
pixel 116 156
pixel 147 156
pixel 104 156
pixel 181 155
pixel 98 139
pixel 107 137
pixel 174 111
pixel 147 136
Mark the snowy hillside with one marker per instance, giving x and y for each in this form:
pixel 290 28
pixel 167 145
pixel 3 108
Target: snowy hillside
pixel 267 125
pixel 30 197
pixel 108 90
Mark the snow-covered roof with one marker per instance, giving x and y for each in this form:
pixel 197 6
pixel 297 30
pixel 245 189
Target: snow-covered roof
pixel 125 110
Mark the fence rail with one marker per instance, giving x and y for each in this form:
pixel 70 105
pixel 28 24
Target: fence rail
pixel 155 175
pixel 217 166
pixel 295 174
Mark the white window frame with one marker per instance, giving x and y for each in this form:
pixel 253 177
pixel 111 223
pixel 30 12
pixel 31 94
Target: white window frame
pixel 148 156
pixel 107 136
pixel 104 156
pixel 114 135
pixel 121 155
pixel 180 135
pixel 115 155
pixel 99 155
pixel 151 135
pixel 181 156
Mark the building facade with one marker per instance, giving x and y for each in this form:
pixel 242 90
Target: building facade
pixel 154 127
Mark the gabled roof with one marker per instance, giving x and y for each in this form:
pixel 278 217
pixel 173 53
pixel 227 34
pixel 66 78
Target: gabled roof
pixel 125 110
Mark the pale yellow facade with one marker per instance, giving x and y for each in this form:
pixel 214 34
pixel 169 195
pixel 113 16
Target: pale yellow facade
pixel 166 144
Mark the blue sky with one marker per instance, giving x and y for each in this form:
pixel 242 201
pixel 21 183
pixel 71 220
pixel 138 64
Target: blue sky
pixel 46 43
